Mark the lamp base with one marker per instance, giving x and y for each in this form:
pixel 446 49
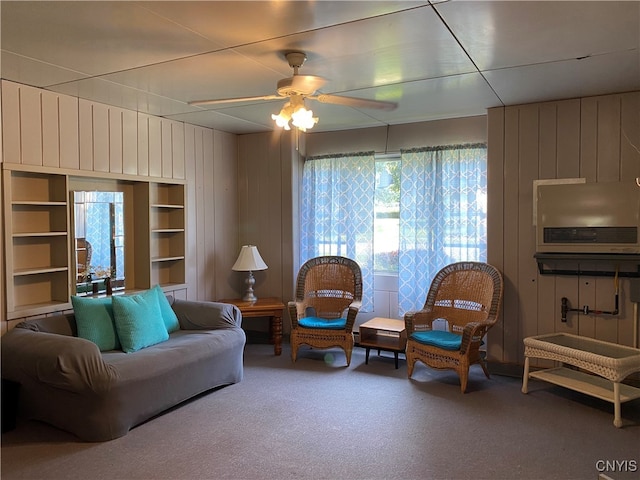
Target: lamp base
pixel 248 295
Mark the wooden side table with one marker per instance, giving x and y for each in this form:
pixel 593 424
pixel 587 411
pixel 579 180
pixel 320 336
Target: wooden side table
pixel 386 334
pixel 264 307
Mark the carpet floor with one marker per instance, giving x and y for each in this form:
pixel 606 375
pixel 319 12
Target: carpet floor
pixel 318 419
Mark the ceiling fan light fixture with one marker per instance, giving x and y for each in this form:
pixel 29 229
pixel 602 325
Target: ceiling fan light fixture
pixel 303 119
pixel 295 112
pixel 283 118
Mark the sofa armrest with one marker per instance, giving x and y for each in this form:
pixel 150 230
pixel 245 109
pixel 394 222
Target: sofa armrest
pixel 196 315
pixel 60 361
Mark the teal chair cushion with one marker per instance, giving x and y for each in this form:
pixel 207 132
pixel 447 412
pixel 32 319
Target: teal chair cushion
pixel 316 322
pixel 438 338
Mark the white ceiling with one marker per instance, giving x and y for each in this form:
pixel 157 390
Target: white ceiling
pixel 436 59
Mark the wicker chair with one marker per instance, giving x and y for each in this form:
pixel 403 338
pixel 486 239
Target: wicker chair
pixel 327 288
pixel 467 295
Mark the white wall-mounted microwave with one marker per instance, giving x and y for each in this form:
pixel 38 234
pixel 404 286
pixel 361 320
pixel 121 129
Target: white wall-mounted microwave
pixel 601 217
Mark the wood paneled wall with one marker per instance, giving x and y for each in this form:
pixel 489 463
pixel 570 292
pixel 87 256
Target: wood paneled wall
pixel 596 138
pixel 68 134
pixel 265 203
pixel 245 189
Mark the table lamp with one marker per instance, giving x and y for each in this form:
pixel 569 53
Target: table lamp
pixel 250 261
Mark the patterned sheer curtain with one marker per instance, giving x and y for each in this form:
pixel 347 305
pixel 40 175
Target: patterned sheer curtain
pixel 337 212
pixel 443 211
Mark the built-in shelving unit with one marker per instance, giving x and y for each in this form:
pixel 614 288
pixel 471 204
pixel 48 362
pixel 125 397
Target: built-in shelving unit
pixel 167 228
pixel 37 242
pixel 40 246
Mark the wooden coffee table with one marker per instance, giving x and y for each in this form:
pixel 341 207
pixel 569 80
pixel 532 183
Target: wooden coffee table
pixel 386 334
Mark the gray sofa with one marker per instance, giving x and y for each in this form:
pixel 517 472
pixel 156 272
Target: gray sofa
pixel 67 382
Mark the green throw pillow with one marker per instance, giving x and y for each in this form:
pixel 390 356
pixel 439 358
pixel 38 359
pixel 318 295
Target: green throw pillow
pixel 139 320
pixel 95 321
pixel 168 315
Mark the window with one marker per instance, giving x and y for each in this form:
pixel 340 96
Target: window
pixel 386 223
pixel 407 215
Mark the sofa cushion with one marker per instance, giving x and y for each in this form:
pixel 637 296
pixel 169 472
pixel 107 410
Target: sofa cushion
pixel 168 315
pixel 95 321
pixel 139 320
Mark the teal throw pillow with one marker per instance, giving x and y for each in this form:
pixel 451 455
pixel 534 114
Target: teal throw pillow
pixel 316 322
pixel 168 315
pixel 95 321
pixel 438 338
pixel 139 320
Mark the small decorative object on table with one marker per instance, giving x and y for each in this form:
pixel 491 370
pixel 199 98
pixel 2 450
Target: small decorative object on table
pixel 250 261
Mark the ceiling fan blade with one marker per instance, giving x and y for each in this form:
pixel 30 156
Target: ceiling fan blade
pixel 237 99
pixel 355 102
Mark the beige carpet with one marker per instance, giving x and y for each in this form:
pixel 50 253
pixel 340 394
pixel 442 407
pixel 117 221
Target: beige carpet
pixel 318 419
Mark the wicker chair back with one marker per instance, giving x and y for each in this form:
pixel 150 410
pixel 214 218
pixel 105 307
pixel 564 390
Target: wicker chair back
pixel 328 287
pixel 467 297
pixel 462 293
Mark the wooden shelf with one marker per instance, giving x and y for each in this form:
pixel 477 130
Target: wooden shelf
pixel 36 271
pixel 35 203
pixel 167 230
pixel 166 205
pixel 39 234
pixel 167 259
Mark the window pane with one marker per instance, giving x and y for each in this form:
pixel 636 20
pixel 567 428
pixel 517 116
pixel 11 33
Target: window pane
pixel 387 216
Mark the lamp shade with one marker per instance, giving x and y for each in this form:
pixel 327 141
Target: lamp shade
pixel 249 260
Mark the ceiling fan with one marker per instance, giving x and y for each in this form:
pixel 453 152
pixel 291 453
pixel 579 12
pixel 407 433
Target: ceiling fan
pixel 298 88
